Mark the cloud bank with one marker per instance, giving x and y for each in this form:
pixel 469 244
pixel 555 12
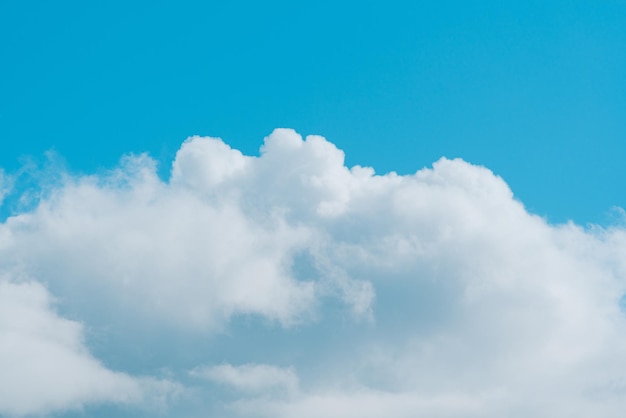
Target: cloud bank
pixel 455 301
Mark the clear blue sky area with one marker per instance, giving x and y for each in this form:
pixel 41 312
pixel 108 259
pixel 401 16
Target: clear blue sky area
pixel 534 90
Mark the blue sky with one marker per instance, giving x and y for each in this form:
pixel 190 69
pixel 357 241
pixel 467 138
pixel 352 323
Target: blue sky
pixel 533 90
pixel 168 249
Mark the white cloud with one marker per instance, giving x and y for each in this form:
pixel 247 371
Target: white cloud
pixel 252 378
pixel 45 364
pixel 477 307
pixel 213 242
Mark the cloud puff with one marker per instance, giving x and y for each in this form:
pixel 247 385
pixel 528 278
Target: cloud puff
pixel 215 241
pixel 474 307
pixel 45 364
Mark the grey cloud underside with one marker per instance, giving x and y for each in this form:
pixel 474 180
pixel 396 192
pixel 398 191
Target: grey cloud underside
pixel 45 365
pixel 453 300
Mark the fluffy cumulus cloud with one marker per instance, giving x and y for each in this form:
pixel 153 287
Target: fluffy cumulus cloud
pixel 455 301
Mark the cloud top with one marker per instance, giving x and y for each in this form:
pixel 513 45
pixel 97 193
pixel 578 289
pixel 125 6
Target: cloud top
pixel 455 301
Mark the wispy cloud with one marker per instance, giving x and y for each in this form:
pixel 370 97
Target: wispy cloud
pixel 252 378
